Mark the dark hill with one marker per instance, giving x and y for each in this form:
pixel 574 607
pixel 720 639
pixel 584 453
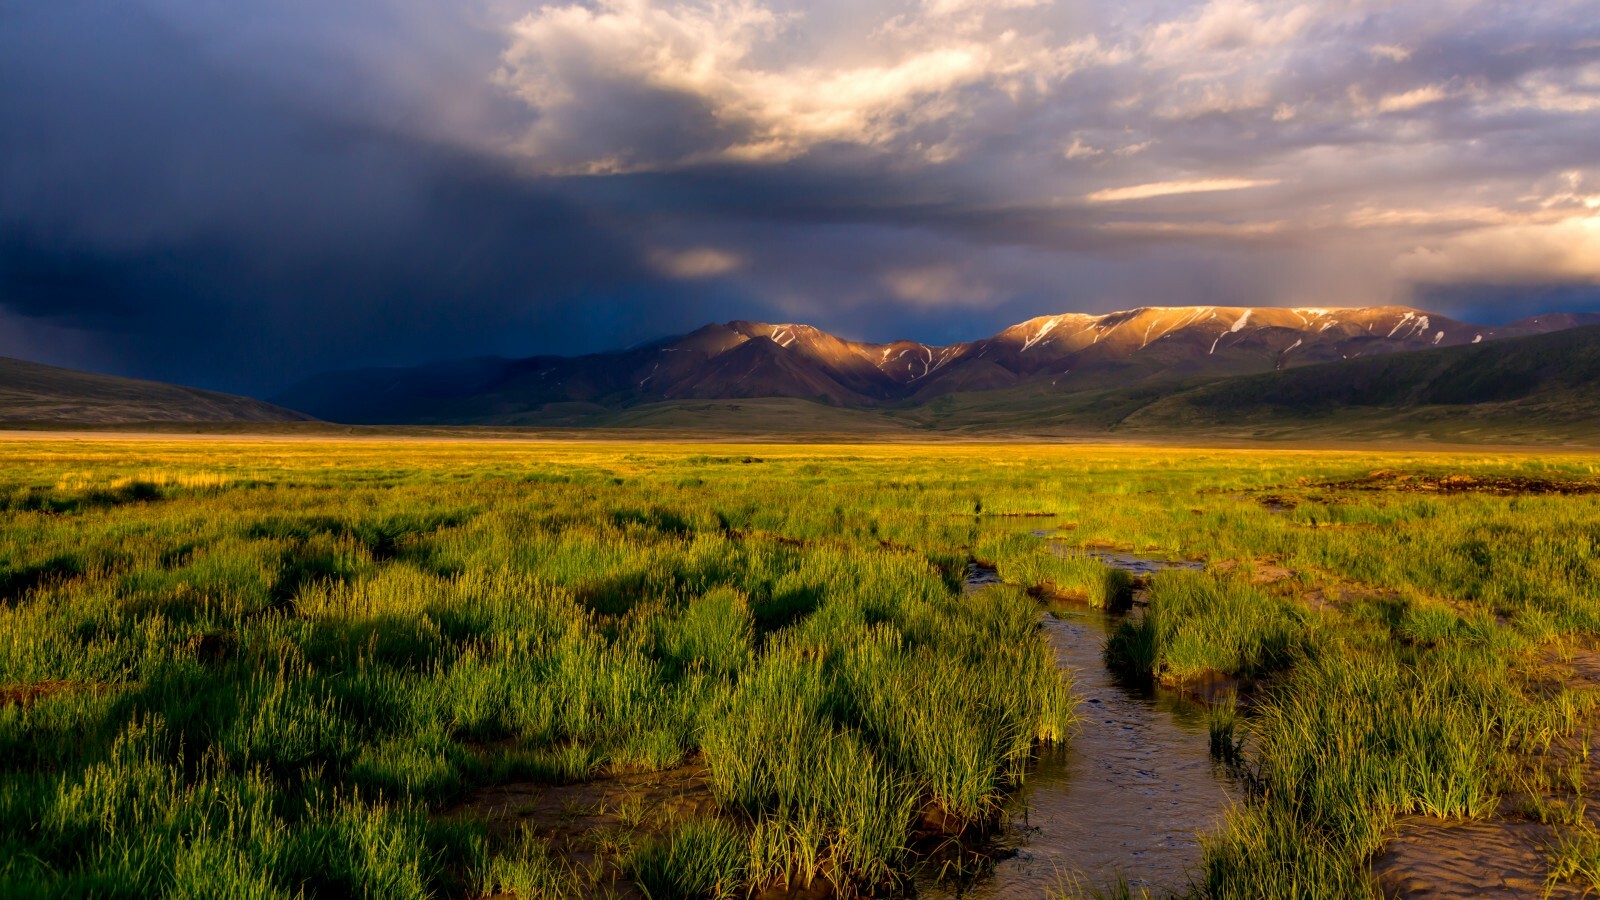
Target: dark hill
pixel 35 394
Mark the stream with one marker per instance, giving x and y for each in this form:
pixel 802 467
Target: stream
pixel 1128 794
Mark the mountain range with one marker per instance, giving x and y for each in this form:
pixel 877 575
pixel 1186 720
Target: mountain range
pixel 1370 374
pixel 743 360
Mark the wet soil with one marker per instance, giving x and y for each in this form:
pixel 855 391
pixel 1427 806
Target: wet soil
pixel 1274 503
pixel 1450 858
pixel 1508 853
pixel 1136 564
pixel 635 798
pixel 1418 482
pixel 587 824
pixel 979 576
pixel 1143 565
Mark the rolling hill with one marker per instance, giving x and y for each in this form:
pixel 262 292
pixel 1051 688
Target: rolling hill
pixel 32 394
pixel 748 360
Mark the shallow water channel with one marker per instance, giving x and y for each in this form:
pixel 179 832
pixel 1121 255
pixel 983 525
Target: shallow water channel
pixel 1126 797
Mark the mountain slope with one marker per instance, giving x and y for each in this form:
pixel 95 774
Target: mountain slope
pixel 744 360
pixel 1535 389
pixel 31 393
pixel 1551 378
pixel 1539 390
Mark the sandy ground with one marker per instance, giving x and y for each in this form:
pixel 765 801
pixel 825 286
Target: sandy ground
pixel 1507 854
pixel 1491 858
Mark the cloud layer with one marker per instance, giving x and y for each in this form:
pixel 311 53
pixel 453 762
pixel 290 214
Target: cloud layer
pixel 233 200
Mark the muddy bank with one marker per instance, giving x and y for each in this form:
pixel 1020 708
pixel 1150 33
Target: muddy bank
pixel 1136 564
pixel 1419 482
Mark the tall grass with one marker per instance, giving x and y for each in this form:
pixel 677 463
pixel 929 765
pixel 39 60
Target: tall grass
pixel 267 669
pixel 1197 623
pixel 1056 571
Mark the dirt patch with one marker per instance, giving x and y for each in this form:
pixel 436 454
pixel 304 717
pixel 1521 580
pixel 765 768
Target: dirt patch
pixel 1419 482
pixel 28 694
pixel 1447 858
pixel 592 824
pixel 1274 503
pixel 1576 664
pixel 1261 571
pixel 1508 854
pixel 210 648
pixel 637 799
pixel 1343 595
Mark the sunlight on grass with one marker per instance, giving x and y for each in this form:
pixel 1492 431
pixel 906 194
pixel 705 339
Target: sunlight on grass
pixel 275 668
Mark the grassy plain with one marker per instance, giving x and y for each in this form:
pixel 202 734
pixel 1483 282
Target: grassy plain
pixel 280 668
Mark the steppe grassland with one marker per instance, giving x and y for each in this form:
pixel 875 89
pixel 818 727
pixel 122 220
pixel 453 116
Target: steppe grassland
pixel 267 668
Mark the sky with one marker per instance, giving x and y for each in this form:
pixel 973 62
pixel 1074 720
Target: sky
pixel 238 196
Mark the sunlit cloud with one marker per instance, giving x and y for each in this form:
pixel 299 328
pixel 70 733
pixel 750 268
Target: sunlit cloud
pixel 1229 230
pixel 1169 188
pixel 743 97
pixel 1228 26
pixel 1564 250
pixel 1410 100
pixel 699 262
pixel 937 285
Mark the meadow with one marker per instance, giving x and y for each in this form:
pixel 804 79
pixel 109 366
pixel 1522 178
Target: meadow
pixel 281 668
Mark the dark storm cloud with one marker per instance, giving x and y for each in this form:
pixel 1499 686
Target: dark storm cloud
pixel 237 198
pixel 1495 304
pixel 205 227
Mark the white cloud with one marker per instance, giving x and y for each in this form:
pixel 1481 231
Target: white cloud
pixel 1080 150
pixel 958 7
pixel 1169 188
pixel 768 104
pixel 694 263
pixel 1413 99
pixel 945 284
pixel 1226 230
pixel 1391 52
pixel 1014 100
pixel 1564 250
pixel 1227 26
